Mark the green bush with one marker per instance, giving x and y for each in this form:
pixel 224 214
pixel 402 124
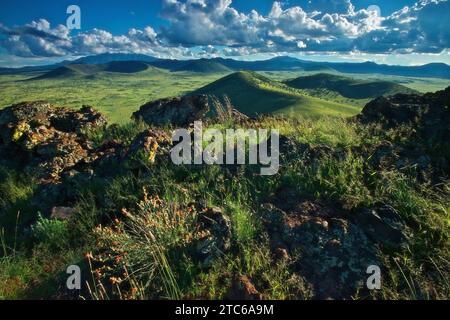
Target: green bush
pixel 54 233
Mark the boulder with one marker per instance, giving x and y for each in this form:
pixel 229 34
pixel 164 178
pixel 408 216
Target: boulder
pixel 422 133
pixel 62 213
pixel 324 247
pixel 177 111
pixel 83 120
pixel 428 114
pixel 383 226
pixel 243 289
pixel 239 116
pixel 52 139
pixel 18 119
pixel 218 226
pixel 150 142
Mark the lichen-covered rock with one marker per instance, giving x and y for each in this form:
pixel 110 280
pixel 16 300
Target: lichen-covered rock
pixel 105 157
pixel 16 120
pixel 51 138
pixel 422 133
pixel 19 118
pixel 85 119
pixel 150 143
pixel 428 114
pixel 62 213
pixel 178 111
pixel 330 252
pixel 383 226
pixel 218 225
pixel 238 116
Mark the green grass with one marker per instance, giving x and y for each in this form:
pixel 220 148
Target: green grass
pixel 40 274
pixel 205 66
pixel 74 70
pixel 419 84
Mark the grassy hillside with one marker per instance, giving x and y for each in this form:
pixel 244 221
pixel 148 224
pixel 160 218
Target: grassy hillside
pixel 348 87
pixel 74 70
pixel 61 73
pixel 253 94
pixel 204 66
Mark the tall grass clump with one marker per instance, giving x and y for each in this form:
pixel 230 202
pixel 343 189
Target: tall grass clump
pixel 135 256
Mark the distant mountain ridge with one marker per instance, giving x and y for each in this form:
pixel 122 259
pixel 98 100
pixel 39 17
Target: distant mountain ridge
pixel 283 63
pixel 112 57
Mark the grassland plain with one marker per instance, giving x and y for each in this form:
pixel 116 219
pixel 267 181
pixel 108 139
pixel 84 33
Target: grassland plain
pixel 118 95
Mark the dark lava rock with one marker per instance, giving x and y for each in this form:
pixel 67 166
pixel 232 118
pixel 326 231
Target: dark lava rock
pixel 327 246
pixel 218 224
pixel 178 111
pixel 62 213
pixel 428 114
pixel 422 133
pixel 327 250
pixel 383 226
pixel 52 139
pixel 239 116
pixel 151 142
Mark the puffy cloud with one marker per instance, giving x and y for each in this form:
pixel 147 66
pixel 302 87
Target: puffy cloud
pixel 36 39
pixel 323 25
pixel 216 22
pixel 208 22
pixel 422 28
pixel 39 39
pixel 215 27
pixel 334 6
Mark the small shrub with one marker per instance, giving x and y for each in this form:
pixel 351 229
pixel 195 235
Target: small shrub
pixel 54 233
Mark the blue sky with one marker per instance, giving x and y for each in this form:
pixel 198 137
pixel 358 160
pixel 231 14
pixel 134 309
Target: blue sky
pixel 394 32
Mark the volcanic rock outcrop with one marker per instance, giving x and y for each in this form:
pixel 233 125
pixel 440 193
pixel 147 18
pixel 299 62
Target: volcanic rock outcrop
pixel 177 111
pixel 429 114
pixel 49 138
pixel 422 132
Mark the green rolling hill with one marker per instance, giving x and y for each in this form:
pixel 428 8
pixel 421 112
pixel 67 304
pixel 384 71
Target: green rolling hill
pixel 204 66
pixel 348 87
pixel 79 70
pixel 60 73
pixel 254 94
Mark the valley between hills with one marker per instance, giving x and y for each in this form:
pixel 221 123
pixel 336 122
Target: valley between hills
pixel 117 86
